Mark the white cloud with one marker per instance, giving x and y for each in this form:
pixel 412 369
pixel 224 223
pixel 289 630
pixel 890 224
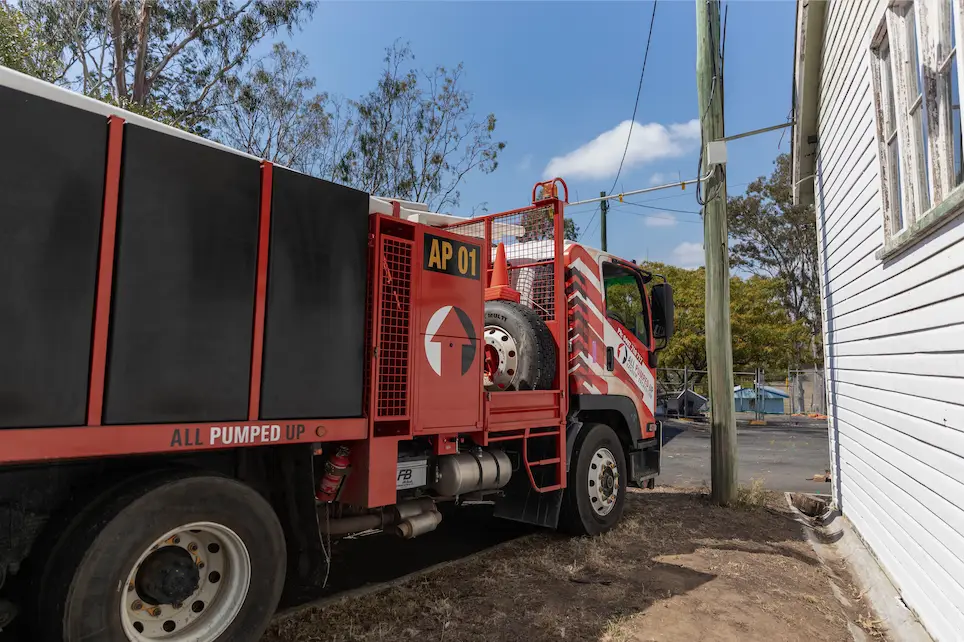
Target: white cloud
pixel 599 158
pixel 660 219
pixel 658 179
pixel 688 255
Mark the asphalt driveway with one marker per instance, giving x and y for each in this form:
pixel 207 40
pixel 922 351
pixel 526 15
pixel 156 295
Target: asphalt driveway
pixel 785 454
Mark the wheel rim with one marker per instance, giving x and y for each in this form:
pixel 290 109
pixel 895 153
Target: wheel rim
pixel 189 585
pixel 603 481
pixel 501 358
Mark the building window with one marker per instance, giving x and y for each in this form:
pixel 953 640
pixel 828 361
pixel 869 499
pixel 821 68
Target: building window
pixel 915 70
pixel 948 81
pixel 958 141
pixel 887 135
pixel 910 66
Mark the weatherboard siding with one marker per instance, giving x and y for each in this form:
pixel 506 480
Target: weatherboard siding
pixel 894 346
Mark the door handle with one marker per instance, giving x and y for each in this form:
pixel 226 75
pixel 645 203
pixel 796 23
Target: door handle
pixel 610 359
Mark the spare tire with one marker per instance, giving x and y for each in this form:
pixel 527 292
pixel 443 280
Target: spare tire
pixel 520 353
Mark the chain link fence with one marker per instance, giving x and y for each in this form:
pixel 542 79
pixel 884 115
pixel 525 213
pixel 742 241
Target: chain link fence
pixel 682 392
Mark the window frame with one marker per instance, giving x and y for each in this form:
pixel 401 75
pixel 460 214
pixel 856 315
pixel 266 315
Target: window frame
pixel 919 188
pixel 888 133
pixel 643 297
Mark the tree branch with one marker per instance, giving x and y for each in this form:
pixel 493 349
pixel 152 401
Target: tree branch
pixel 143 26
pixel 120 81
pixel 192 35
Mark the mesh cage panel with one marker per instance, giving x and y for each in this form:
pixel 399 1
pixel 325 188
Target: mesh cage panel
pixel 529 240
pixel 391 393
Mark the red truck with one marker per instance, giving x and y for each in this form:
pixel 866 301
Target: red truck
pixel 213 366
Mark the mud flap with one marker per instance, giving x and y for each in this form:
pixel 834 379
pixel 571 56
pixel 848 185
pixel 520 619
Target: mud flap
pixel 644 463
pixel 643 466
pixel 522 504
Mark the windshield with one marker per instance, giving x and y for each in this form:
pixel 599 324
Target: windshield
pixel 626 300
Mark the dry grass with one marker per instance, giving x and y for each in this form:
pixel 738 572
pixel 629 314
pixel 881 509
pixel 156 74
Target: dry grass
pixel 871 625
pixel 676 568
pixel 755 495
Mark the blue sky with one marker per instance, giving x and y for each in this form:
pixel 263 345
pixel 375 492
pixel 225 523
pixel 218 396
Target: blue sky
pixel 561 78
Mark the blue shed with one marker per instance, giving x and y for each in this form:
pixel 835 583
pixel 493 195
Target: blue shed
pixel 745 399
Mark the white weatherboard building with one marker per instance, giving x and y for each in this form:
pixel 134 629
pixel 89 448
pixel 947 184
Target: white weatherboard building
pixel 877 150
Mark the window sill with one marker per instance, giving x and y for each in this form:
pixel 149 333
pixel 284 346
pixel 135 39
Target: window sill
pixel 939 215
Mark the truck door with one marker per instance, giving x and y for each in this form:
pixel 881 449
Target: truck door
pixel 628 336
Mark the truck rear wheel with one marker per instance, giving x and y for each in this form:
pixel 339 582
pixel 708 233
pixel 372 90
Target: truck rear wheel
pixel 596 489
pixel 171 557
pixel 519 351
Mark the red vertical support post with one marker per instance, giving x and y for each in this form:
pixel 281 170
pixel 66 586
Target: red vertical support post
pixel 105 271
pixel 370 339
pixel 487 249
pixel 378 274
pixel 562 335
pixel 486 276
pixel 415 287
pixel 260 293
pixel 560 313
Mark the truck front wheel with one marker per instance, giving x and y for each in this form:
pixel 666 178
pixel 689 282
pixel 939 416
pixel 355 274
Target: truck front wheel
pixel 172 557
pixel 596 489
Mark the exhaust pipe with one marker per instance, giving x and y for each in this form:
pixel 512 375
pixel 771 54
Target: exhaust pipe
pixel 355 523
pixel 409 519
pixel 419 525
pixel 407 510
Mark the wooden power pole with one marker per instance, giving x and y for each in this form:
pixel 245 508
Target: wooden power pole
pixel 719 348
pixel 603 210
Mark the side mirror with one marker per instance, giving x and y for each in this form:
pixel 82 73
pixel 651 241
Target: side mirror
pixel 661 298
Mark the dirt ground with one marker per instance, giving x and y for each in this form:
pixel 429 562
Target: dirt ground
pixel 676 568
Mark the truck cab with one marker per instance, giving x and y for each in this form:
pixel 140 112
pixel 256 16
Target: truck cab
pixel 620 314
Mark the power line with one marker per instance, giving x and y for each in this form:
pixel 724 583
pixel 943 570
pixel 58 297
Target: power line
pixel 632 122
pixel 639 91
pixel 586 233
pixel 664 198
pixel 662 209
pixel 782 134
pixel 665 218
pixel 589 229
pixel 571 208
pixel 620 206
pixel 592 218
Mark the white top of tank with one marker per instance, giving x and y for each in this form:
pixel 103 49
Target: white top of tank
pixel 419 213
pixel 43 89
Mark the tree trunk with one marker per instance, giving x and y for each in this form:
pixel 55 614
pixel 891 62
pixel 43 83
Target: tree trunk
pixel 120 80
pixel 140 73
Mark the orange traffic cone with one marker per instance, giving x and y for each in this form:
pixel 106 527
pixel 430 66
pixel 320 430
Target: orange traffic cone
pixel 500 272
pixel 499 284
